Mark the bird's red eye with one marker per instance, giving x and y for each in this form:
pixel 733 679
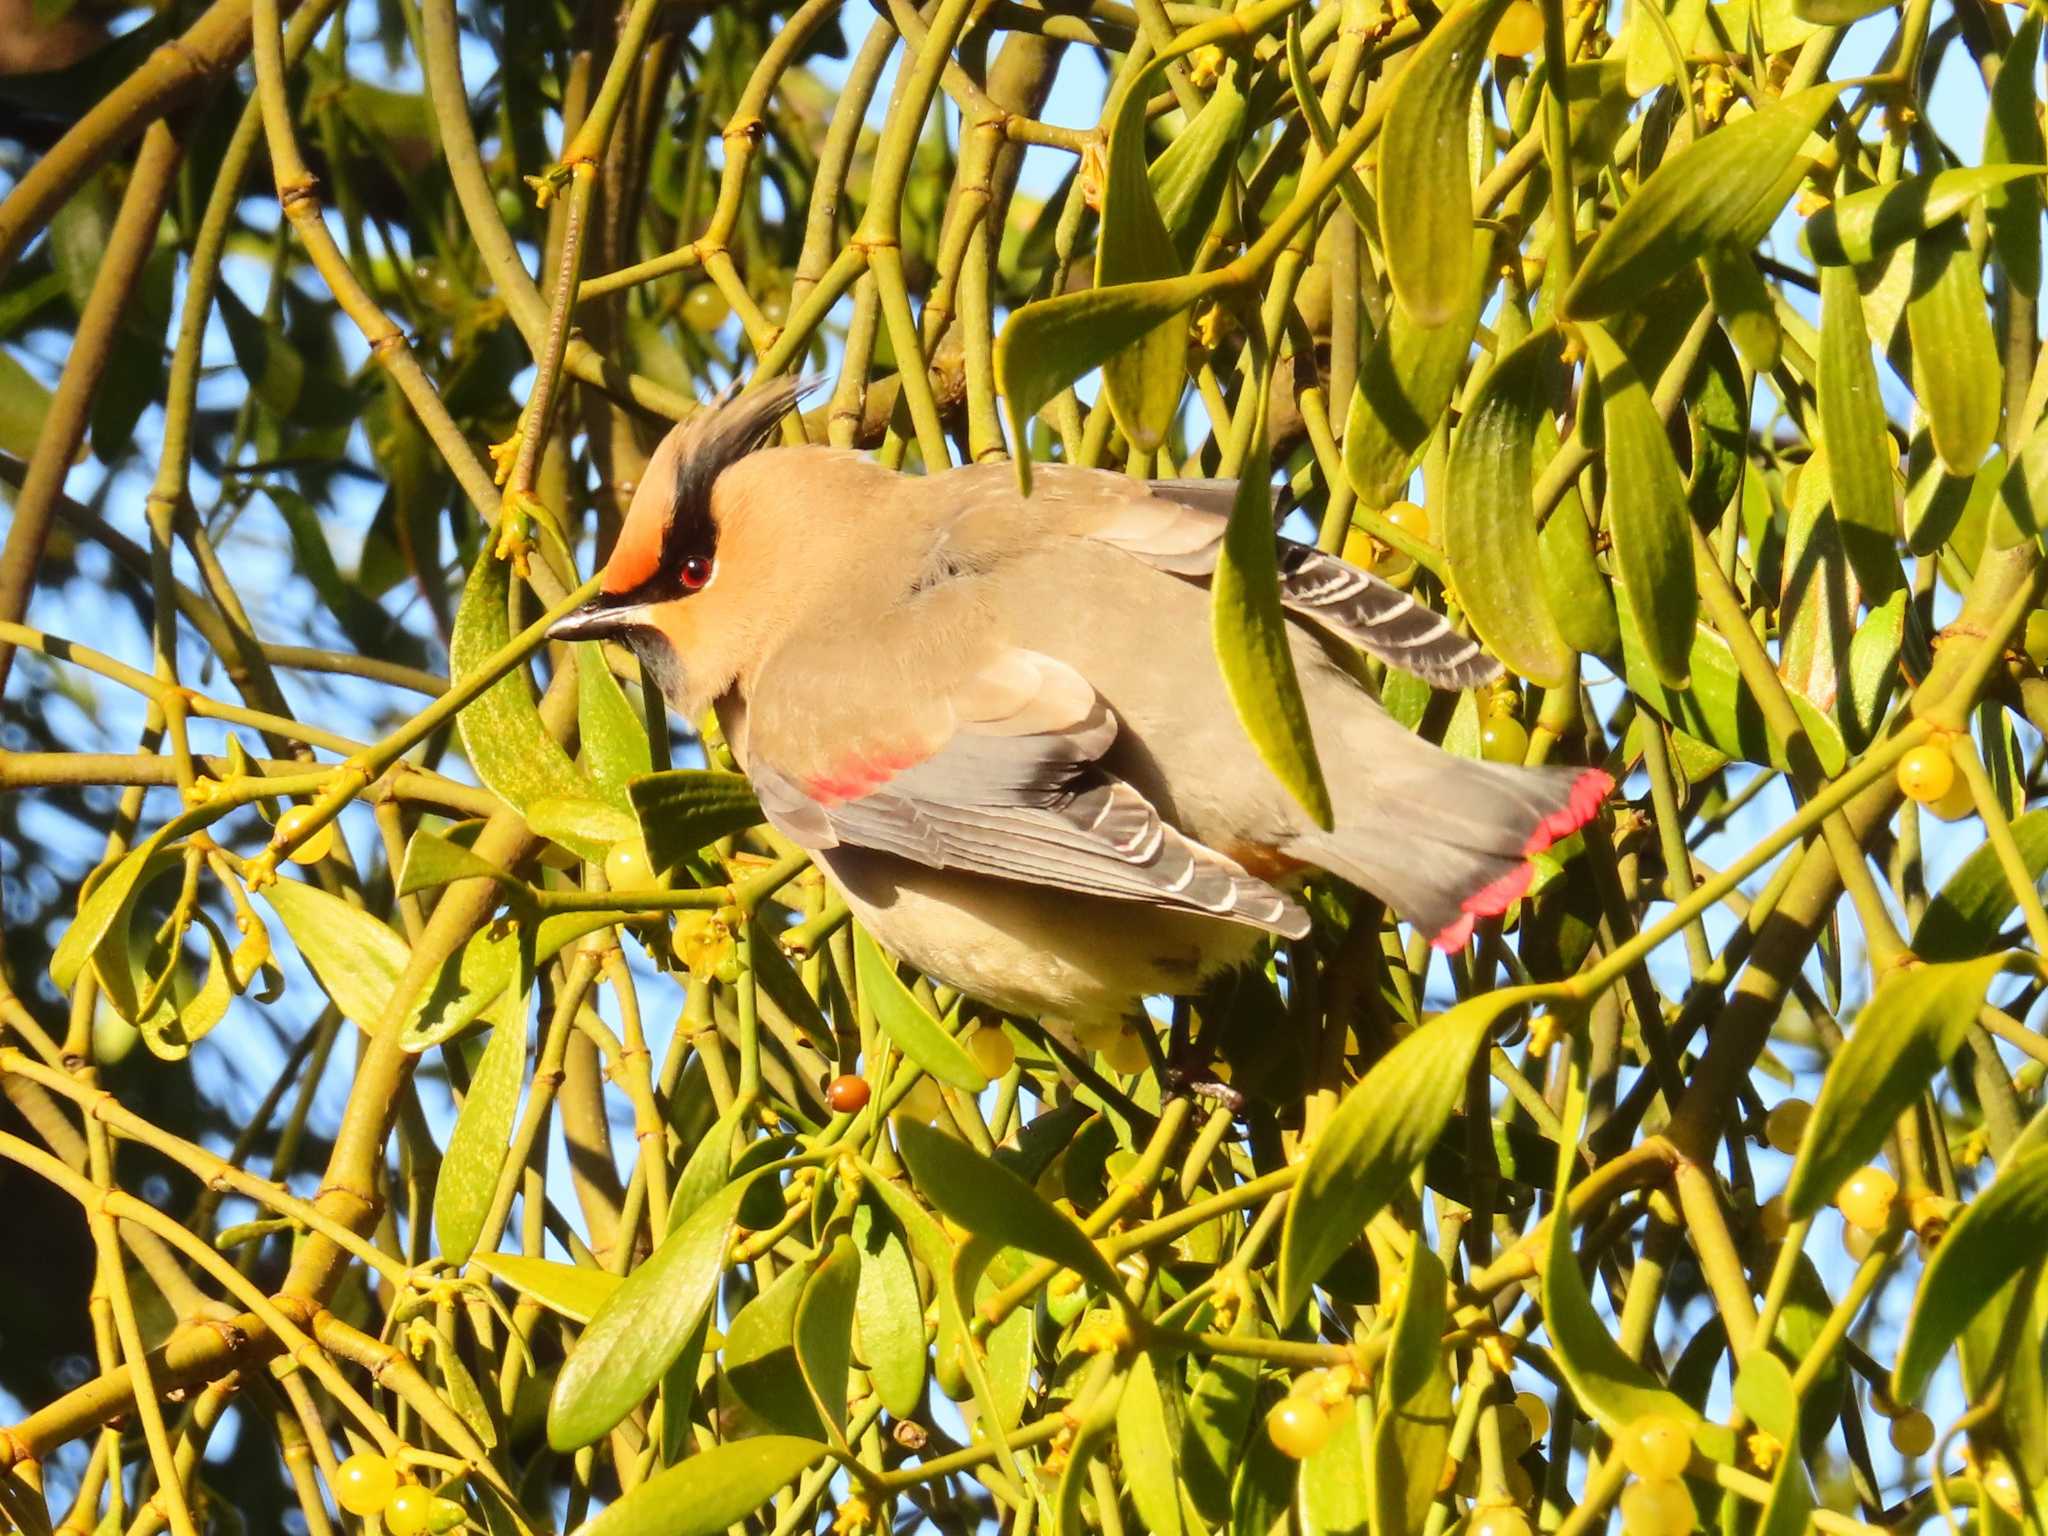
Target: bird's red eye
pixel 696 571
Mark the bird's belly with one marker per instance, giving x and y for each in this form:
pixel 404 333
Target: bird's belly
pixel 1033 949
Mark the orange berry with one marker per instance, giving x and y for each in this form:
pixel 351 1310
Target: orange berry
pixel 408 1510
pixel 1662 1507
pixel 318 844
pixel 1786 1123
pixel 847 1094
pixel 1298 1426
pixel 1925 774
pixel 1865 1198
pixel 1656 1447
pixel 364 1483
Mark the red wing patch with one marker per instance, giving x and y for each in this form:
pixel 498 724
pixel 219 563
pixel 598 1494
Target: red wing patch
pixel 1496 896
pixel 861 773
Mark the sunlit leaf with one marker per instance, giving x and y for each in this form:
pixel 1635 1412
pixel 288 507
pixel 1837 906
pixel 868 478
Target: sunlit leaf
pixel 1963 920
pixel 686 809
pixel 916 1033
pixel 714 1489
pixel 357 959
pixel 1864 225
pixel 482 1134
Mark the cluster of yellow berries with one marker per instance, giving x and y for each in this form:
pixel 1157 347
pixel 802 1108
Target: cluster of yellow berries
pixel 1928 775
pixel 1382 559
pixel 1121 1047
pixel 1865 1201
pixel 1655 1449
pixel 368 1484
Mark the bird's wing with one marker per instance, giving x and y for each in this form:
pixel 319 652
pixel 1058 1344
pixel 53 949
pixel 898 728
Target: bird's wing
pixel 1178 525
pixel 1003 779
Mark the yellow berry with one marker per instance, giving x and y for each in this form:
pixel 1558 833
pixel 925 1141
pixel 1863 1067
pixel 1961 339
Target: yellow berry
pixel 318 844
pixel 1925 774
pixel 627 868
pixel 991 1049
pixel 1865 1198
pixel 1127 1054
pixel 1857 1241
pixel 408 1510
pixel 775 306
pixel 1662 1507
pixel 2037 637
pixel 1957 804
pixel 1656 1447
pixel 1520 30
pixel 1913 1434
pixel 1536 1411
pixel 1515 1437
pixel 1503 739
pixel 1786 1123
pixel 1298 1426
pixel 364 1483
pixel 1096 1035
pixel 1410 519
pixel 1500 1519
pixel 1359 548
pixel 1773 1220
pixel 705 308
pixel 924 1102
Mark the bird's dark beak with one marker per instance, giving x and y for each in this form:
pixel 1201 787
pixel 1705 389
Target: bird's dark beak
pixel 600 619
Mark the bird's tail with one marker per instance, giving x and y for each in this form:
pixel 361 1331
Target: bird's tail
pixel 1445 840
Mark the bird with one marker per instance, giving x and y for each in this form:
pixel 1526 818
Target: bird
pixel 997 723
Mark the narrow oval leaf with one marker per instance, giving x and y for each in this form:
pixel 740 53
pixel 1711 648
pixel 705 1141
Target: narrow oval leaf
pixel 1763 1390
pixel 1725 187
pixel 103 910
pixel 643 1326
pixel 501 730
pixel 2001 1233
pixel 1381 1131
pixel 1219 1412
pixel 888 1312
pixel 1414 1428
pixel 1860 454
pixel 478 1144
pixel 579 822
pixel 1252 638
pixel 614 740
pixel 1580 599
pixel 1337 1478
pixel 1914 1022
pixel 714 1489
pixel 1144 380
pixel 2012 135
pixel 1405 383
pixel 914 1032
pixel 989 1200
pixel 1743 301
pixel 357 959
pixel 1956 373
pixel 1864 225
pixel 824 1333
pixel 1964 919
pixel 1647 513
pixel 569 1290
pixel 759 1357
pixel 1147 1438
pixel 1425 165
pixel 432 860
pixel 688 808
pixel 1489 529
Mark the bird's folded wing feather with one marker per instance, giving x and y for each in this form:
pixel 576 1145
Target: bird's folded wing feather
pixel 1013 789
pixel 1178 525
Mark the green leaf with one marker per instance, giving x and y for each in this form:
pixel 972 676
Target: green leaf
pixel 2021 509
pixel 1956 373
pixel 1852 423
pixel 569 1290
pixel 184 1017
pixel 1581 601
pixel 1864 225
pixel 1218 1413
pixel 1489 517
pixel 759 1358
pixel 1647 514
pixel 1413 1433
pixel 1717 707
pixel 580 822
pixel 1939 504
pixel 275 372
pixel 1763 1390
pixel 615 749
pixel 1147 1440
pixel 1337 1477
pixel 1964 919
pixel 686 809
pixel 902 1018
pixel 1606 1383
pixel 2000 1234
pixel 1426 165
pixel 432 860
pixel 356 958
pixel 1914 1022
pixel 1252 637
pixel 824 1333
pixel 989 1200
pixel 888 1312
pixel 1724 188
pixel 482 1137
pixel 1143 381
pixel 1743 301
pixel 1405 383
pixel 2012 135
pixel 716 1488
pixel 1381 1131
pixel 501 730
pixel 635 1335
pixel 24 403
pixel 1190 174
pixel 1873 670
pixel 104 911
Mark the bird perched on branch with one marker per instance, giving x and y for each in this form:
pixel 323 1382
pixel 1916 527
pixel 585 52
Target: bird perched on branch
pixel 999 724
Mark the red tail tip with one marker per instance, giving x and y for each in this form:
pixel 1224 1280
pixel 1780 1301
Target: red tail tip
pixel 1496 896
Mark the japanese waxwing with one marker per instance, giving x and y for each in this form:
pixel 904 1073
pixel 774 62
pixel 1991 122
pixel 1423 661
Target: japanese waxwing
pixel 999 724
